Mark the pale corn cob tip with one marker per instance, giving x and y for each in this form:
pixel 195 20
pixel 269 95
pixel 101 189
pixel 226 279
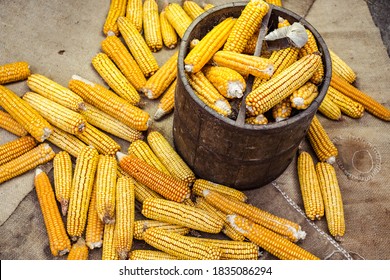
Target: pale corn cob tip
pixel 298 101
pixel 230 219
pixel 38 171
pixel 159 114
pixel 78 78
pixel 331 160
pixel 110 33
pixel 120 155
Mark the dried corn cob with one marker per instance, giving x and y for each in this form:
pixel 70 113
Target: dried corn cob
pixel 151 25
pixel 170 158
pixel 63 174
pixel 277 224
pixel 150 255
pixel 341 68
pixel 269 240
pixel 116 10
pixel 321 143
pixel 304 96
pixel 168 186
pixel 192 9
pixel 66 142
pixel 180 246
pixel 282 111
pixel 119 54
pixel 178 18
pixel 258 120
pixel 329 109
pixel 11 125
pixel 168 33
pixel 250 46
pixel 29 160
pixel 141 226
pixel 134 13
pixel 167 102
pixel 274 2
pixel 55 92
pixel 58 240
pixel 208 46
pixel 25 115
pixel 109 251
pixel 79 251
pixel 347 106
pixel 330 189
pixel 142 192
pixel 82 185
pixel 56 114
pixel 13 72
pixel 95 226
pixel 16 148
pixel 200 185
pixel 309 48
pixel 138 47
pixel 309 186
pixel 110 103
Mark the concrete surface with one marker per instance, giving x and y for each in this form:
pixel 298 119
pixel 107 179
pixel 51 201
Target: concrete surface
pixel 380 11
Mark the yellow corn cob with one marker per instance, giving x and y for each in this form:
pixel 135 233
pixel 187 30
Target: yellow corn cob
pixel 247 24
pixel 277 224
pixel 207 6
pixel 329 109
pixel 282 85
pixel 282 110
pixel 309 48
pixel 29 160
pixel 347 106
pixel 269 240
pixel 169 157
pixel 167 102
pixel 16 148
pixel 200 185
pixel 106 188
pixel 79 251
pixel 258 120
pixel 13 72
pixel 82 185
pixel 119 54
pixel 167 186
pixel 168 33
pixel 134 13
pixel 141 226
pixel 115 79
pixel 161 80
pixel 331 194
pixel 58 240
pixel 309 186
pixel 151 25
pixel 181 246
pixel 208 46
pixel 180 214
pixel 192 9
pixel 107 101
pixel 193 43
pixel 116 10
pixel 63 174
pixel 56 114
pixel 55 92
pixel 341 68
pixel 95 226
pixel 142 192
pixel 25 115
pixel 275 2
pixel 304 96
pixel 205 90
pixel 138 47
pixel 250 46
pixel 124 218
pixel 66 142
pixel 321 143
pixel 150 255
pixel 109 251
pixel 11 125
pixel 178 18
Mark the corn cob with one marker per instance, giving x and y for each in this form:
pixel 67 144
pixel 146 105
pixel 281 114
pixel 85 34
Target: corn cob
pixel 309 48
pixel 39 155
pixel 63 174
pixel 321 143
pixel 178 18
pixel 269 240
pixel 151 25
pixel 207 6
pixel 142 192
pixel 206 92
pixel 258 120
pixel 95 226
pixel 200 185
pixel 167 102
pixel 282 85
pixel 208 46
pixel 105 188
pixel 180 214
pixel 250 46
pixel 329 109
pixel 58 240
pixel 330 189
pixel 110 103
pixel 141 226
pixel 16 148
pixel 180 246
pixel 124 219
pixel 109 251
pixel 165 185
pixel 66 142
pixel 282 111
pixel 120 55
pixel 170 158
pixel 82 185
pixel 116 10
pixel 246 25
pixel 115 79
pixel 277 224
pixel 25 115
pixel 134 13
pixel 13 72
pixel 56 114
pixel 341 68
pixel 9 124
pixel 150 255
pixel 138 47
pixel 168 33
pixel 309 186
pixel 274 2
pixel 79 251
pixel 193 43
pixel 304 96
pixel 370 105
pixel 192 9
pixel 347 106
pixel 55 92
